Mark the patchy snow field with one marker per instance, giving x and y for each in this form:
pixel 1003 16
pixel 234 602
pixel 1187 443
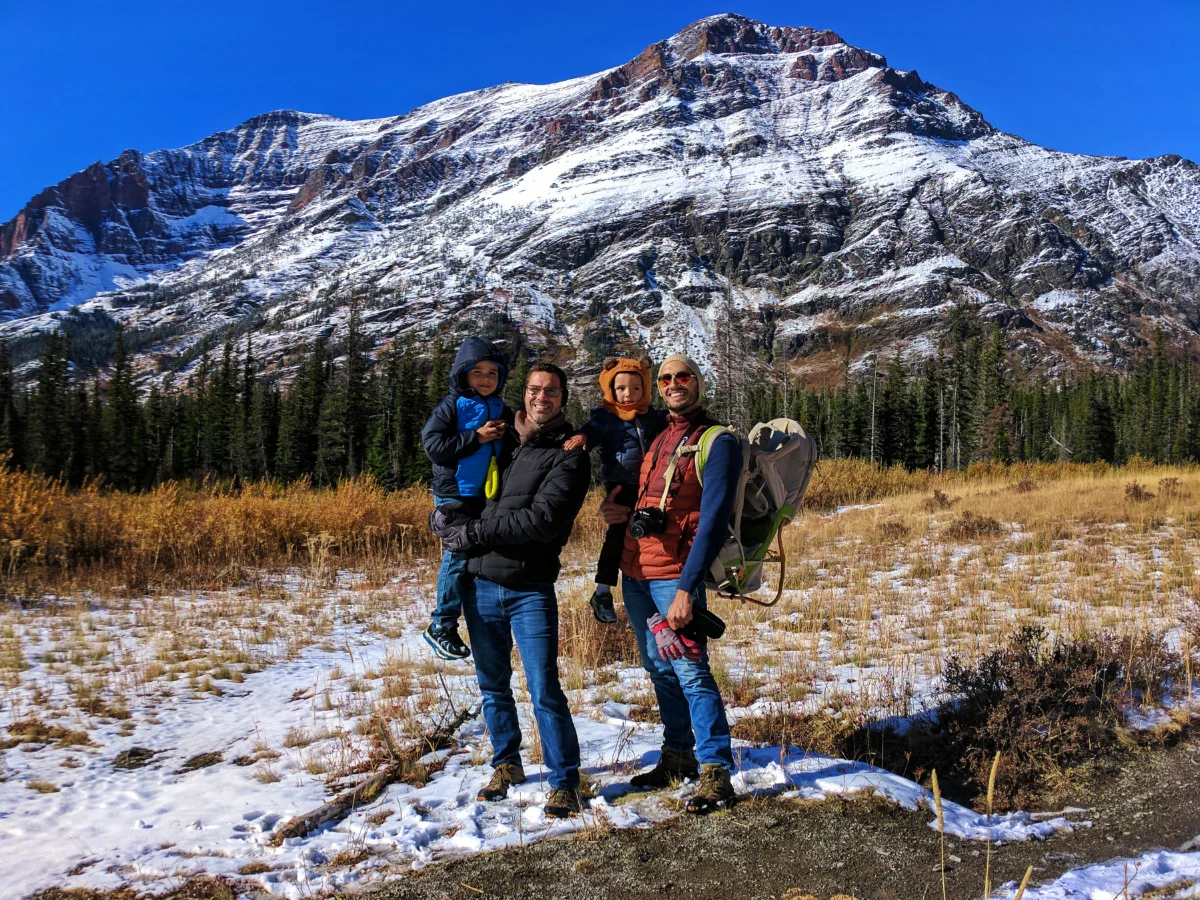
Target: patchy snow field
pixel 155 737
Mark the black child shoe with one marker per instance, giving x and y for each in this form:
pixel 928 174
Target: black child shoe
pixel 602 607
pixel 446 644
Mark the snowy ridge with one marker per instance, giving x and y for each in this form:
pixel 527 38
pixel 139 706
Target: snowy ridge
pixel 779 171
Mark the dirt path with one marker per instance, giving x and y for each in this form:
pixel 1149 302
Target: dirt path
pixel 864 848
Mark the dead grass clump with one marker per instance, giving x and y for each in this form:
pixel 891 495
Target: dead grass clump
pixel 820 732
pixel 134 758
pixel 196 887
pixel 351 856
pixel 1150 666
pixel 1170 489
pixel 893 531
pixel 844 482
pixel 938 501
pixel 1025 486
pixel 969 527
pixel 35 731
pixel 1135 493
pixel 201 761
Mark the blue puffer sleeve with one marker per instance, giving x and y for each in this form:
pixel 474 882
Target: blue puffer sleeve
pixel 444 444
pixel 592 428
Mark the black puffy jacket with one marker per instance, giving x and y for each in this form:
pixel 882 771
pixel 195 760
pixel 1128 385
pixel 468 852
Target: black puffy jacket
pixel 522 532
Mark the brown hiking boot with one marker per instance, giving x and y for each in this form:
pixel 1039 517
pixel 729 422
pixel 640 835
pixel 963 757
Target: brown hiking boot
pixel 562 802
pixel 672 765
pixel 504 777
pixel 715 791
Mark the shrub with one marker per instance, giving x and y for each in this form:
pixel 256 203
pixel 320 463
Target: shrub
pixel 1046 706
pixel 969 526
pixel 1135 493
pixel 939 500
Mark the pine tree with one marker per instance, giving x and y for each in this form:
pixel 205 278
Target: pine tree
pixel 357 387
pixel 12 432
pixel 333 439
pixel 514 387
pixel 79 461
pixel 894 419
pixel 221 415
pixel 49 428
pixel 299 419
pixel 122 423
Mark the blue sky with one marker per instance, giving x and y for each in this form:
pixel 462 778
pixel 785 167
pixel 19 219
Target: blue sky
pixel 82 81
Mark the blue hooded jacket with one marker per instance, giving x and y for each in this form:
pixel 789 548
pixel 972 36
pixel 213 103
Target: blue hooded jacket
pixel 460 462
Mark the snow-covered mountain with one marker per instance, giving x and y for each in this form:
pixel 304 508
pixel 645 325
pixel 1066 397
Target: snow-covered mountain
pixel 834 204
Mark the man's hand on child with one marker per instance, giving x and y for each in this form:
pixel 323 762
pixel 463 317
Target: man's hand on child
pixel 612 512
pixel 576 442
pixel 491 431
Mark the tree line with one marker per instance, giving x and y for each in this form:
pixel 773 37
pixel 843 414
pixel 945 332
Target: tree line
pixel 344 413
pixel 965 405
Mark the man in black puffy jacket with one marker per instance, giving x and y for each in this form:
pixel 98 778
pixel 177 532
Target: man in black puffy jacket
pixel 515 547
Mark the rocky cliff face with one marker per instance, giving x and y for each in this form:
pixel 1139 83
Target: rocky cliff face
pixel 774 177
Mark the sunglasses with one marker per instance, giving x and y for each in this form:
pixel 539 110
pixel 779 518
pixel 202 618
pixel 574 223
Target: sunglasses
pixel 681 378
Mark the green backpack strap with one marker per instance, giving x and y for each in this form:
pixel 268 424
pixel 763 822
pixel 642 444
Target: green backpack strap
pixel 704 445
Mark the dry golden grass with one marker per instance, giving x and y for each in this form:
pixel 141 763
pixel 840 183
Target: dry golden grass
pixel 876 597
pixel 54 537
pixel 57 539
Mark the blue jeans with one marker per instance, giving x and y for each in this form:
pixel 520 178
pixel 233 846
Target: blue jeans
pixel 689 703
pixel 495 615
pixel 454 583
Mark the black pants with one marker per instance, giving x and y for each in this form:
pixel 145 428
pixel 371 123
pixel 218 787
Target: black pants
pixel 608 568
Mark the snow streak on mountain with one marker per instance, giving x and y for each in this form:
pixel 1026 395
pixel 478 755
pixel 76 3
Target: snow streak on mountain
pixel 774 177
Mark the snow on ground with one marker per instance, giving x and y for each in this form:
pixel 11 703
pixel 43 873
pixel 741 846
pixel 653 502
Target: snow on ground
pixel 288 678
pixel 1174 875
pixel 282 730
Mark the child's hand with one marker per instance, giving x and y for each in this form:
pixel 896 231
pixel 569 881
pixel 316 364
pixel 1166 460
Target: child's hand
pixel 576 442
pixel 491 431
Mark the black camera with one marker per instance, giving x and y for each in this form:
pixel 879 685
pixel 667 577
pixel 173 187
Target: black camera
pixel 647 521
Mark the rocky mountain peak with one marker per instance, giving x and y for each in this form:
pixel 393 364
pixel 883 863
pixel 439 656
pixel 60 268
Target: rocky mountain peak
pixel 776 176
pixel 731 33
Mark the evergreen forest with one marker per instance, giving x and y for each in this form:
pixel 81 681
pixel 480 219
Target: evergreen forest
pixel 346 412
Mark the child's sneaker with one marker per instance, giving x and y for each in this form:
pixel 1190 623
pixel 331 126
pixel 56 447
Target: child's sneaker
pixel 602 607
pixel 446 644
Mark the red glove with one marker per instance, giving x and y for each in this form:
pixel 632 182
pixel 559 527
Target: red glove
pixel 672 645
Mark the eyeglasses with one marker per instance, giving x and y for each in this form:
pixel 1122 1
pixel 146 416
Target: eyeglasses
pixel 681 378
pixel 550 392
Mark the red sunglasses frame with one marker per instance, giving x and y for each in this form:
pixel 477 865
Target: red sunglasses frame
pixel 684 378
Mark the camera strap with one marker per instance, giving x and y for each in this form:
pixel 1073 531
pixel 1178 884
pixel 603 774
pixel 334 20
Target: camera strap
pixel 682 448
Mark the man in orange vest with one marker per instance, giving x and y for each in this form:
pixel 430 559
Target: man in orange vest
pixel 675 531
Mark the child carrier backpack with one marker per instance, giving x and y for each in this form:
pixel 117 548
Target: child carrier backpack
pixel 778 459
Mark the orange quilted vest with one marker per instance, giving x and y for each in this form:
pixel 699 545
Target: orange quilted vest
pixel 658 557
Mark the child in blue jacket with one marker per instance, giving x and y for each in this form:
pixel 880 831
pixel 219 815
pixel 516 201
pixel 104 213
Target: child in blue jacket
pixel 463 439
pixel 623 427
